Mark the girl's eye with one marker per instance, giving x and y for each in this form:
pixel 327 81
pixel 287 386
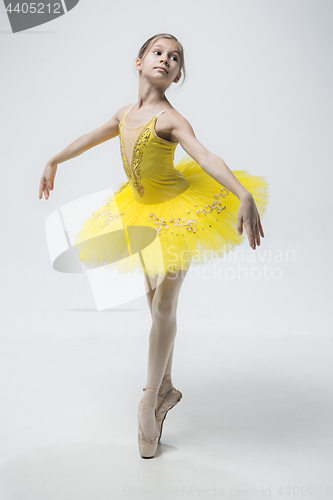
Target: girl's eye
pixel 160 52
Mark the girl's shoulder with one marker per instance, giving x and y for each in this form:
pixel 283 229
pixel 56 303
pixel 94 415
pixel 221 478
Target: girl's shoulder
pixel 120 113
pixel 171 115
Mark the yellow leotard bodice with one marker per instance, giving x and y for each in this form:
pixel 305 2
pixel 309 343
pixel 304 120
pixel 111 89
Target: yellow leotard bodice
pixel 148 161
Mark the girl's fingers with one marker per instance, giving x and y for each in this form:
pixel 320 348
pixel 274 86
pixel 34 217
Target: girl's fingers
pixel 258 235
pixel 261 229
pixel 41 188
pixel 47 181
pixel 256 231
pixel 240 224
pixel 250 234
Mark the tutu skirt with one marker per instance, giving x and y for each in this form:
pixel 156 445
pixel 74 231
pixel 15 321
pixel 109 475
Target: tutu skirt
pixel 198 226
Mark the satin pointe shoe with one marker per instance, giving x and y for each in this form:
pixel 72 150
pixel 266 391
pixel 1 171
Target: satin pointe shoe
pixel 147 446
pixel 166 401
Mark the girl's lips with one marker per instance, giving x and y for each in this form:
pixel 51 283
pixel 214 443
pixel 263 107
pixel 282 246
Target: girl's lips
pixel 162 69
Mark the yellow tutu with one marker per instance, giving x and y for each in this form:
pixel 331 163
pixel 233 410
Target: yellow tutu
pixel 166 215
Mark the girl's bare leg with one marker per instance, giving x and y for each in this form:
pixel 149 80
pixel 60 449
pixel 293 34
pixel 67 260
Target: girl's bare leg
pixel 161 340
pixel 166 383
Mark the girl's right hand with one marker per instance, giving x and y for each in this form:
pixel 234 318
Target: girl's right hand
pixel 47 180
pixel 249 216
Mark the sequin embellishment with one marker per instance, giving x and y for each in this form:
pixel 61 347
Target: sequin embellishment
pixel 215 204
pixel 221 194
pixel 122 152
pixel 162 223
pixel 122 187
pixel 111 217
pixel 137 151
pixel 106 212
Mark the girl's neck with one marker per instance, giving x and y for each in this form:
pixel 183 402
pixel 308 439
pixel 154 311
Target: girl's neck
pixel 150 96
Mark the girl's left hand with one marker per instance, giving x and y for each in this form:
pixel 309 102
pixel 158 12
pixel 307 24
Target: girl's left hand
pixel 249 215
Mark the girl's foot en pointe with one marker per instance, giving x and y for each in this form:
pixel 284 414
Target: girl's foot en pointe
pixel 148 429
pixel 168 397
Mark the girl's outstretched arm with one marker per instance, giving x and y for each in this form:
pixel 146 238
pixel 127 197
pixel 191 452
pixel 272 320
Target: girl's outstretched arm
pixel 216 168
pixel 76 148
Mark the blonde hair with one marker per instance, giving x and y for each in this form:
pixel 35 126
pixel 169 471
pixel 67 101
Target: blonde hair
pixel 148 43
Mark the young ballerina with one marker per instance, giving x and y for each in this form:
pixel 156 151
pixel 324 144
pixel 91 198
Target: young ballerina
pixel 194 208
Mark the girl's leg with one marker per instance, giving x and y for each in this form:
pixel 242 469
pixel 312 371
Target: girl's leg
pixel 163 331
pixel 166 383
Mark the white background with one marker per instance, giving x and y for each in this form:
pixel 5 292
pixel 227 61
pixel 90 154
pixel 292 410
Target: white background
pixel 252 355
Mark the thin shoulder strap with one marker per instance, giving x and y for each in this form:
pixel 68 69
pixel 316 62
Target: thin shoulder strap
pixel 168 109
pixel 126 113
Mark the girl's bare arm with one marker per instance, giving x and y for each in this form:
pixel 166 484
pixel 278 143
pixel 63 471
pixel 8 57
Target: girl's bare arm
pixel 216 168
pixel 208 161
pixel 76 148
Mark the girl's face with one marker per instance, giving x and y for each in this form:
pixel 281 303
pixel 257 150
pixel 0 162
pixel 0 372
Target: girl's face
pixel 164 53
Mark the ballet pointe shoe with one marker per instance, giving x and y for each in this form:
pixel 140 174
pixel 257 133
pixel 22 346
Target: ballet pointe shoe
pixel 166 401
pixel 166 381
pixel 147 446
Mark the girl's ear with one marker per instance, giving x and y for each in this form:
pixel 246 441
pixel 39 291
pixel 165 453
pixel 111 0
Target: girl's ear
pixel 138 64
pixel 178 77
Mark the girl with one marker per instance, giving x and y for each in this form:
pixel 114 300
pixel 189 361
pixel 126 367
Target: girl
pixel 165 215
